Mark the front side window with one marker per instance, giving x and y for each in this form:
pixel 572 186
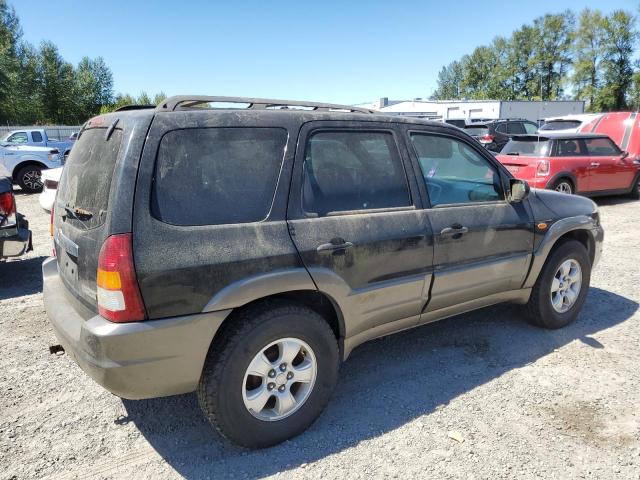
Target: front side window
pixel 601 147
pixel 214 176
pixel 454 173
pixel 18 137
pixel 350 171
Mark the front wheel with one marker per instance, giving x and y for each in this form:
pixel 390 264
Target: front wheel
pixel 561 288
pixel 270 374
pixel 29 178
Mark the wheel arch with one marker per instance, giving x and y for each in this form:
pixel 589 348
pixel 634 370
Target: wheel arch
pixel 561 176
pixel 580 228
pixel 294 285
pixel 26 163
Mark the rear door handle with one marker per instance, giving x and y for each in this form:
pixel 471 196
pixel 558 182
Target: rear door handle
pixel 454 230
pixel 335 244
pixel 595 164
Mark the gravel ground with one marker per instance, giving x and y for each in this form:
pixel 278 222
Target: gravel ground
pixel 522 402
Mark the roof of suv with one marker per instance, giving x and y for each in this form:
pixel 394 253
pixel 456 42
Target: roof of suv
pixel 305 110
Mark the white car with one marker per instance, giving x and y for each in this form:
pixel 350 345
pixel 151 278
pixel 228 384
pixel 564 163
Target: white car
pixel 50 179
pixel 568 123
pixel 24 164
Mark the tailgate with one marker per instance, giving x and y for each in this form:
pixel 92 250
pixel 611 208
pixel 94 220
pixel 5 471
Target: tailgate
pixel 520 166
pixel 82 208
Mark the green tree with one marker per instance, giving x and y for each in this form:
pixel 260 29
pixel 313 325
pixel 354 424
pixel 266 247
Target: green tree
pixel 552 54
pixel 588 48
pixel 449 79
pixel 10 34
pixel 620 37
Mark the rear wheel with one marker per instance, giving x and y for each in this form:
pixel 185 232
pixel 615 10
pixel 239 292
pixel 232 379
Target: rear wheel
pixel 29 178
pixel 563 185
pixel 561 287
pixel 270 374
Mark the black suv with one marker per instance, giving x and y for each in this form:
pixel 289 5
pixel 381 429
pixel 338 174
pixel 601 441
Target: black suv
pixel 495 134
pixel 243 253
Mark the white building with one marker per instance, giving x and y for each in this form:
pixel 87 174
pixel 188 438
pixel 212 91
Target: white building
pixel 478 109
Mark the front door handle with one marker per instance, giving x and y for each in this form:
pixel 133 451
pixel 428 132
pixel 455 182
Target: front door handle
pixel 456 231
pixel 595 164
pixel 334 244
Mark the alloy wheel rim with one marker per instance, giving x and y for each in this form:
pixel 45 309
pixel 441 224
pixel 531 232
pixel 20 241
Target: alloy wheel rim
pixel 32 179
pixel 566 285
pixel 279 379
pixel 563 187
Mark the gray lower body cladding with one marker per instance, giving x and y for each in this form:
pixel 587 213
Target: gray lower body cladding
pixel 135 360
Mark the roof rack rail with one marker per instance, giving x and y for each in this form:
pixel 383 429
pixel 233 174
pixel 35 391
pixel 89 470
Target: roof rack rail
pixel 185 101
pixel 133 107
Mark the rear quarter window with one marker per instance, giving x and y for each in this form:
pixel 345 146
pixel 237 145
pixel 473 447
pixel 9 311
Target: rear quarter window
pixel 215 176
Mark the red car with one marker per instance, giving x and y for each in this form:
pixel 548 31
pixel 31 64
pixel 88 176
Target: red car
pixel 585 163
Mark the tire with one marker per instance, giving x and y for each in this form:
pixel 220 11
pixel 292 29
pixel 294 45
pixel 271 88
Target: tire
pixel 540 310
pixel 563 185
pixel 635 191
pixel 28 178
pixel 222 392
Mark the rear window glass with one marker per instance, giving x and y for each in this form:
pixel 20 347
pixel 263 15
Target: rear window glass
pixel 214 176
pixel 477 130
pixel 86 178
pixel 560 125
pixel 532 148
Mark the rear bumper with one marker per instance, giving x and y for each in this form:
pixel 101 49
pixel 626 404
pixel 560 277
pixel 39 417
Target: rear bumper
pixel 135 360
pixel 15 241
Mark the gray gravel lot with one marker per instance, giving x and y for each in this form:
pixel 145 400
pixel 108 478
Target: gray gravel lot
pixel 527 403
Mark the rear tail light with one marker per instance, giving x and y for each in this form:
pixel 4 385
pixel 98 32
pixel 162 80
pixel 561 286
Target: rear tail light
pixel 7 209
pixel 543 168
pixel 119 298
pixel 53 243
pixel 486 138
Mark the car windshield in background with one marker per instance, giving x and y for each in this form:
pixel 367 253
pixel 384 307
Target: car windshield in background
pixel 477 130
pixel 531 148
pixel 560 125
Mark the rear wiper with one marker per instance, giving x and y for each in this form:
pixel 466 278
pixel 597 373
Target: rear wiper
pixel 78 213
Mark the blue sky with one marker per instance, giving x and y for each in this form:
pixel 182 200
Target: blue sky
pixel 337 51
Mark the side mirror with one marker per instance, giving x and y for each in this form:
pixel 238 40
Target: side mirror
pixel 518 190
pixel 624 155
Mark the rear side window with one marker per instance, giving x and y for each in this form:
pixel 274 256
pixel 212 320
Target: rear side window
pixel 350 171
pixel 86 178
pixel 516 128
pixel 570 148
pixel 601 147
pixel 215 176
pixel 36 136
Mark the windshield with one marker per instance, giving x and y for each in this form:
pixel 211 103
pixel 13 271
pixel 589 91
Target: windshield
pixel 477 131
pixel 532 148
pixel 560 125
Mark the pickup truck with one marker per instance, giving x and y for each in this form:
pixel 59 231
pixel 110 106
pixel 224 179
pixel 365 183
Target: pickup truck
pixel 23 164
pixel 15 236
pixel 38 137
